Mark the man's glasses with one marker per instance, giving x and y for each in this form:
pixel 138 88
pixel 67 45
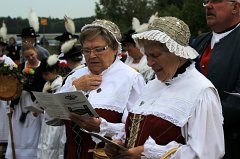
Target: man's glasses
pixel 96 51
pixel 205 2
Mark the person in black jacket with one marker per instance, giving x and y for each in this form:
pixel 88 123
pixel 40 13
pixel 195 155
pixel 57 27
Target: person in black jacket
pixel 220 62
pixel 29 36
pixel 14 50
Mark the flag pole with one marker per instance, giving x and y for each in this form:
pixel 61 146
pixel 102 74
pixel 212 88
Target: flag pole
pixel 11 133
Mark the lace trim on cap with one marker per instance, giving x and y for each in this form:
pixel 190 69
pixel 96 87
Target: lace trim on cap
pixel 96 25
pixel 186 52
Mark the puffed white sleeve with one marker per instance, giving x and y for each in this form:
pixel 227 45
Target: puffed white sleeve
pixel 117 130
pixel 203 133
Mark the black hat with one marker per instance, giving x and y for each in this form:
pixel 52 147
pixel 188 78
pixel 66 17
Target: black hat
pixel 2 42
pixel 74 52
pixel 127 37
pixel 43 65
pixel 66 36
pixel 46 67
pixel 28 32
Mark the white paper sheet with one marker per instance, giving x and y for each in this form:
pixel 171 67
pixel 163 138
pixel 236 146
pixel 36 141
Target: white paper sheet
pixel 61 104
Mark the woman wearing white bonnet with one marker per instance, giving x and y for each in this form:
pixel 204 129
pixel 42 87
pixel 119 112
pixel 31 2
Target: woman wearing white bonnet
pixel 110 85
pixel 179 111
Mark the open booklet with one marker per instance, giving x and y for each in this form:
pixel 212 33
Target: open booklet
pixel 35 107
pixel 59 105
pixel 106 140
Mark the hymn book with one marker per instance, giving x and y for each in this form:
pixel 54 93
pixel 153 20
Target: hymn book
pixel 60 105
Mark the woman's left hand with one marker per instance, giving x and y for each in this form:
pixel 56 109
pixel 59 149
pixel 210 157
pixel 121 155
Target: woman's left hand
pixel 133 153
pixel 86 122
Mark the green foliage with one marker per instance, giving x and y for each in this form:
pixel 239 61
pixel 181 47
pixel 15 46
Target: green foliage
pixel 4 68
pixel 193 14
pixel 122 11
pixel 10 69
pixel 54 25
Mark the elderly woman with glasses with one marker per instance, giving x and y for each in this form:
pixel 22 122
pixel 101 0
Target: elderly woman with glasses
pixel 110 85
pixel 179 111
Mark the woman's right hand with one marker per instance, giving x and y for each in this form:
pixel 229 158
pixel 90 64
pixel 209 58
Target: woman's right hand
pixel 111 151
pixel 88 82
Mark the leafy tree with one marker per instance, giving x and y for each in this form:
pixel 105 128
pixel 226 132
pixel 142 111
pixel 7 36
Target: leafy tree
pixel 193 14
pixel 122 11
pixel 54 25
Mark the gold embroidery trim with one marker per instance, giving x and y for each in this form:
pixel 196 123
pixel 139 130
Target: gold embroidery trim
pixel 170 152
pixel 135 127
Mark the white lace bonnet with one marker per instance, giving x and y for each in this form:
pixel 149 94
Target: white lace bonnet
pixel 110 27
pixel 172 32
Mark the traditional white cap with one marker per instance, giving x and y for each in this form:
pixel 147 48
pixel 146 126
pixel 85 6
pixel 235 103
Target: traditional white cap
pixel 172 32
pixel 110 27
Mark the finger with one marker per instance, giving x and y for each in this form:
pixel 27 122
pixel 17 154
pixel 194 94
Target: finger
pixel 99 79
pixel 95 83
pixel 96 77
pixel 81 119
pixel 93 75
pixel 76 120
pixel 93 87
pixel 75 117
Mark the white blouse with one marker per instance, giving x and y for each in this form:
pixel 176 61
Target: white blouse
pixel 120 88
pixel 142 67
pixel 191 102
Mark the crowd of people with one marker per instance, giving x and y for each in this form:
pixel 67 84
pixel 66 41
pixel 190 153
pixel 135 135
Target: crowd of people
pixel 168 98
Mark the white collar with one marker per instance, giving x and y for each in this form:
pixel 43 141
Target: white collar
pixel 116 87
pixel 172 102
pixel 217 37
pixel 56 84
pixel 78 67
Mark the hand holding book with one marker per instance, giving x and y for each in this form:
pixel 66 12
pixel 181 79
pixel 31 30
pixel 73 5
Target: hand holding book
pixel 106 140
pixel 59 105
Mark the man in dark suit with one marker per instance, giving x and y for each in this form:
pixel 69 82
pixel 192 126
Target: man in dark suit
pixel 29 36
pixel 220 62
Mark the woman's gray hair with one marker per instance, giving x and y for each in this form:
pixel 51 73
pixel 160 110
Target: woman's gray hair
pixel 144 42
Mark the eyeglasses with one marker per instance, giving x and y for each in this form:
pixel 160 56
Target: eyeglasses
pixel 205 2
pixel 96 51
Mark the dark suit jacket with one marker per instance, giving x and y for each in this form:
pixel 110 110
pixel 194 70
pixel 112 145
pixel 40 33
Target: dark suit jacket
pixel 224 73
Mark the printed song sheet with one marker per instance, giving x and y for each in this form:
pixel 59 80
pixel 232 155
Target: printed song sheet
pixel 59 105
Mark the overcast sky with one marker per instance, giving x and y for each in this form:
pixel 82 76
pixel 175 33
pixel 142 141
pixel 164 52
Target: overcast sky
pixel 48 8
